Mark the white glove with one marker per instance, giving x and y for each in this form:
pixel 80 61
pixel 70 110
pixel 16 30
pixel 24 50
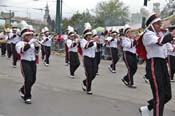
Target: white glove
pixel 32 41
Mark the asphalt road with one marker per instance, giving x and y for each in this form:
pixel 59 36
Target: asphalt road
pixel 55 94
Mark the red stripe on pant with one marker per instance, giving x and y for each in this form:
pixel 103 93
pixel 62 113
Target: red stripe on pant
pixel 156 87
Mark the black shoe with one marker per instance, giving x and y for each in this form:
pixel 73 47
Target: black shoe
pixel 125 82
pixel 28 101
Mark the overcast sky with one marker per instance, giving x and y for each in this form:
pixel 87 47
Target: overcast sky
pixel 69 6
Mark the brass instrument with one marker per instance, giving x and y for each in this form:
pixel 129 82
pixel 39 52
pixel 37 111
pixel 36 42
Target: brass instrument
pixel 2 40
pixel 166 22
pixel 169 18
pixel 137 32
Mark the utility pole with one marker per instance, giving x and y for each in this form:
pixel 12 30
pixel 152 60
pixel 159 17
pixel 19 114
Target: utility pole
pixel 58 16
pixel 8 16
pixel 143 18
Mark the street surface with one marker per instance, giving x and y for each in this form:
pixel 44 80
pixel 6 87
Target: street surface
pixel 55 94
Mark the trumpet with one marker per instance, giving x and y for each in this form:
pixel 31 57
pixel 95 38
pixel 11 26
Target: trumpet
pixel 169 18
pixel 166 22
pixel 137 32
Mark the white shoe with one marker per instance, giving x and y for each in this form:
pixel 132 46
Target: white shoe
pixel 144 111
pixel 132 86
pixel 14 66
pixel 113 71
pixel 89 92
pixel 46 64
pixel 172 80
pixel 21 94
pixel 110 69
pixel 83 86
pixel 72 76
pixel 146 80
pixel 28 101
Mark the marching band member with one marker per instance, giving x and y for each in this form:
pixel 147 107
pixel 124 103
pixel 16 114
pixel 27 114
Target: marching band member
pixel 156 69
pixel 9 41
pixel 113 43
pixel 28 49
pixel 15 40
pixel 3 40
pixel 42 46
pixel 47 41
pixel 72 44
pixel 88 47
pixel 171 55
pixel 66 48
pixel 129 56
pixel 98 50
pixel 171 59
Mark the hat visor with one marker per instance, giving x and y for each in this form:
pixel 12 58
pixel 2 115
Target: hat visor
pixel 115 33
pixel 88 33
pixel 27 33
pixel 71 35
pixel 156 20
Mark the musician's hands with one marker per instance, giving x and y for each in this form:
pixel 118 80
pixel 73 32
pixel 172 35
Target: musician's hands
pixel 32 41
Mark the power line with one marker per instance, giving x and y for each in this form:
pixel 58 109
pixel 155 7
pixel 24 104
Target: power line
pixel 7 6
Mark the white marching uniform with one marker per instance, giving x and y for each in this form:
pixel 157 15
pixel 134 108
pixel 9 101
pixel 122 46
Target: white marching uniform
pixel 171 59
pixel 89 49
pixel 3 39
pixel 70 45
pixel 129 56
pixel 28 52
pixel 15 39
pixel 28 55
pixel 152 43
pixel 73 55
pixel 89 52
pixel 9 47
pixel 156 69
pixel 113 44
pixel 47 42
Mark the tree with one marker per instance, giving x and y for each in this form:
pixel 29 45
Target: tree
pixel 111 13
pixel 78 20
pixel 65 23
pixel 169 10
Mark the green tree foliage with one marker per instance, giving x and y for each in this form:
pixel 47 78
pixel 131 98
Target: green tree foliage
pixel 169 10
pixel 78 20
pixel 111 13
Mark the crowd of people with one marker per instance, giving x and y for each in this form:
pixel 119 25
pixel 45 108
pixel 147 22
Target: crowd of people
pixel 21 43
